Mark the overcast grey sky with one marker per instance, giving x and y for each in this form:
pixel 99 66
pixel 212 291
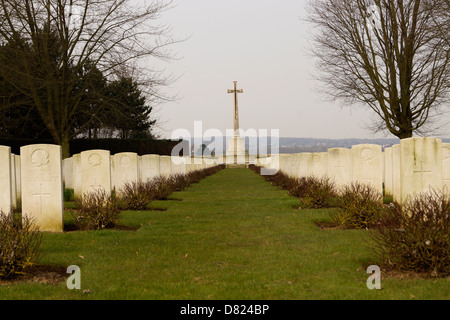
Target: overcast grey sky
pixel 262 45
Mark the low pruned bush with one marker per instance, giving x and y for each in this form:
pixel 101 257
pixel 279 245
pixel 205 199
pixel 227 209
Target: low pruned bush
pixel 315 192
pixel 281 180
pixel 179 182
pixel 19 245
pixel 358 206
pixel 97 210
pixel 136 195
pixel 161 187
pixel 415 236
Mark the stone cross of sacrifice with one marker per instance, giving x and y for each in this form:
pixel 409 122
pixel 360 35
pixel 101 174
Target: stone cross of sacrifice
pixel 235 91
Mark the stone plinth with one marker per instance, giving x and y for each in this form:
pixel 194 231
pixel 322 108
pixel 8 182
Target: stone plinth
pixel 236 153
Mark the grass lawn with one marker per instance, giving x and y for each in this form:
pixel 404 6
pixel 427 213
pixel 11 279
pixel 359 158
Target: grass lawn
pixel 233 236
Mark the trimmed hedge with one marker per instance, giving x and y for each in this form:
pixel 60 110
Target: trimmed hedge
pixel 140 146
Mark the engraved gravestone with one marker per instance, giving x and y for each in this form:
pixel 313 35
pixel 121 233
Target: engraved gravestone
pixel 76 175
pixel 68 172
pixel 317 164
pixel 446 167
pixel 148 167
pixel 13 181
pixel 421 166
pixel 124 169
pixel 179 164
pixel 95 171
pixel 165 166
pixel 367 165
pixel 5 179
pixel 339 165
pixel 18 186
pixel 388 172
pixel 42 186
pixel 304 162
pixel 396 182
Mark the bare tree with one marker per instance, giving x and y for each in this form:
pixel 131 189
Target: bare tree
pixel 386 55
pixel 57 40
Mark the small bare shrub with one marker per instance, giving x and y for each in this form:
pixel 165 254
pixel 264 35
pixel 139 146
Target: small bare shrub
pixel 415 236
pixel 179 182
pixel 19 245
pixel 359 205
pixel 97 210
pixel 314 192
pixel 161 188
pixel 136 195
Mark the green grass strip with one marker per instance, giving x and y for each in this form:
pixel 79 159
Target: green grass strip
pixel 232 236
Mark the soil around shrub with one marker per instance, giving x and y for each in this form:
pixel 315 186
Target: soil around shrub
pixel 40 274
pixel 74 228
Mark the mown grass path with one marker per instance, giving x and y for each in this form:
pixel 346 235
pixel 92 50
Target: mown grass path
pixel 232 236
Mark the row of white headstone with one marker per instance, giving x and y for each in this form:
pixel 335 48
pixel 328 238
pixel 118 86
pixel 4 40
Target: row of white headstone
pixel 413 166
pixel 37 176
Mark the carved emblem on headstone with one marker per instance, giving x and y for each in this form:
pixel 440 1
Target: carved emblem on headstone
pixel 39 158
pixel 95 159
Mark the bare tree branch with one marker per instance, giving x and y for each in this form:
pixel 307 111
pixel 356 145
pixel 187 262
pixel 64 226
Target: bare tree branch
pixel 109 35
pixel 390 56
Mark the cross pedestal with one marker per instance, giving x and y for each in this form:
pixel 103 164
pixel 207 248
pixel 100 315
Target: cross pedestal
pixel 236 155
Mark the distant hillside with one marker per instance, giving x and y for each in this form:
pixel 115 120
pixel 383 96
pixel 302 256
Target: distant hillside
pixel 298 145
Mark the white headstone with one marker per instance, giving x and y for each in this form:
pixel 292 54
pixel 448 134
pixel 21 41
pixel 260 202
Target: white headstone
pixel 274 165
pixel 284 162
pixel 304 163
pixel 446 166
pixel 148 167
pixel 95 171
pixel 165 166
pixel 76 175
pixel 388 174
pixel 317 164
pixel 178 165
pixel 421 166
pixel 367 165
pixel 42 185
pixel 396 182
pixel 5 180
pixel 18 185
pixel 13 181
pixel 124 169
pixel 290 164
pixel 68 172
pixel 339 166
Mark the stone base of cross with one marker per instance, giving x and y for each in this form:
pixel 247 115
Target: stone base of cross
pixel 236 153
